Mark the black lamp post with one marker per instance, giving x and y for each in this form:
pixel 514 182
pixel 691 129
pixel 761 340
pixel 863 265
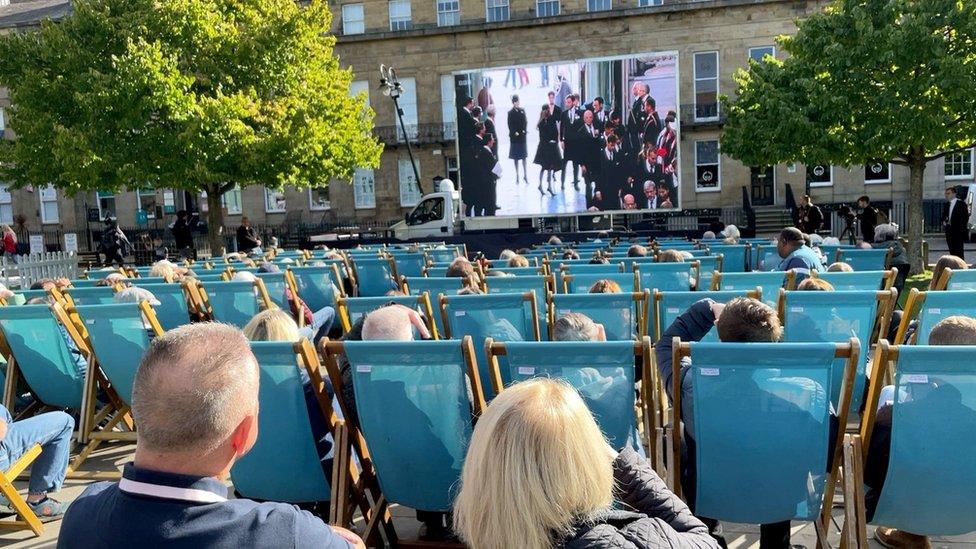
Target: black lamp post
pixel 391 87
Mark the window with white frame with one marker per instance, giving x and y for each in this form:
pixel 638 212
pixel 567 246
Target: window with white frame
pixel 49 204
pixel 408 102
pixel 400 15
pixel 820 175
pixel 318 199
pixel 959 165
pixel 547 8
pixel 6 206
pixel 230 200
pixel 706 86
pixel 106 204
pixel 759 52
pixel 598 5
pixel 274 200
pixel 146 200
pixel 877 171
pixel 363 188
pixel 3 121
pixel 649 3
pixel 707 166
pixel 448 12
pixel 448 110
pixel 353 19
pixel 409 189
pixel 496 10
pixel 451 168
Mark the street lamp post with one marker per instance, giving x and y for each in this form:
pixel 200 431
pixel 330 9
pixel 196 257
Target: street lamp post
pixel 391 87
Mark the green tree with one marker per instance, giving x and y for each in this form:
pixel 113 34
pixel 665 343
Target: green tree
pixel 865 80
pixel 187 94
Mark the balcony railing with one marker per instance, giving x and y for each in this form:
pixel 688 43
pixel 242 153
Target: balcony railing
pixel 424 134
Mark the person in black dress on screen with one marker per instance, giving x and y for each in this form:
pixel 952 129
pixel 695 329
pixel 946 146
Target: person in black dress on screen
pixel 518 125
pixel 547 154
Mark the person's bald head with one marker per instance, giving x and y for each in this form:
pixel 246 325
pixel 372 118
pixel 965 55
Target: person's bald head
pixel 194 386
pixel 388 324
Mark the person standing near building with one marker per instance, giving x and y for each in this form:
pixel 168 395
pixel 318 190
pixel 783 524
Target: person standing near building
pixel 569 135
pixel 183 235
pixel 9 242
pixel 868 218
pixel 955 221
pixel 518 125
pixel 247 239
pixel 809 216
pixel 115 245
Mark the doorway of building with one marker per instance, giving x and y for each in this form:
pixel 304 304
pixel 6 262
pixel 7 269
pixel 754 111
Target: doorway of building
pixel 763 185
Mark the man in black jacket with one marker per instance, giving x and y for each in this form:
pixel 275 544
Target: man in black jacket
pixel 868 218
pixel 810 217
pixel 955 221
pixel 183 235
pixel 590 145
pixel 612 177
pixel 247 239
pixel 569 122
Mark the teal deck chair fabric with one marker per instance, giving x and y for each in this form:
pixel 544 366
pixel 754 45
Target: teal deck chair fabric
pixel 502 317
pixel 445 254
pixel 735 256
pixel 356 307
pixel 603 373
pixel 284 463
pixel 520 285
pixel 671 304
pixel 415 415
pixel 939 305
pixel 233 302
pixel 765 257
pixel 963 279
pixel 522 271
pixel 768 282
pixel 830 250
pixel 119 339
pixel 581 283
pixel 316 286
pixel 835 317
pixel 448 285
pixel 374 276
pixel 102 295
pixel 210 276
pixel 142 271
pixel 149 280
pixel 857 280
pixel 762 429
pixel 437 271
pixel 865 260
pixel 43 355
pixel 275 284
pixel 410 264
pixel 85 282
pixel 616 312
pixel 603 268
pixel 707 265
pixel 666 277
pixel 931 471
pixel 31 294
pixel 172 311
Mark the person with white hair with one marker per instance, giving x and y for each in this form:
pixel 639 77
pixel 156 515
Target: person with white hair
pixel 708 235
pixel 195 400
pixel 506 255
pixel 134 294
pixel 731 234
pixel 886 236
pixel 394 323
pixel 578 327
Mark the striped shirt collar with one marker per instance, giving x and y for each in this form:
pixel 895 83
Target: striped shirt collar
pixel 158 484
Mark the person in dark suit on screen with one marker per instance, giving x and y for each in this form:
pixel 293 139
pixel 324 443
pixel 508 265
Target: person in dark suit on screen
pixel 490 128
pixel 637 116
pixel 612 178
pixel 569 122
pixel 652 122
pixel 590 145
pixel 955 221
pixel 600 116
pixel 518 124
pixel 486 161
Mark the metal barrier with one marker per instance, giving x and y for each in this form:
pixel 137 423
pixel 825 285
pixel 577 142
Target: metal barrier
pixel 25 270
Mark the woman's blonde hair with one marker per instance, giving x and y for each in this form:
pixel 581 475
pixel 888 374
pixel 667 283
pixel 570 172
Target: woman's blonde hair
pixel 537 464
pixel 163 269
pixel 946 262
pixel 605 286
pixel 272 325
pixel 518 261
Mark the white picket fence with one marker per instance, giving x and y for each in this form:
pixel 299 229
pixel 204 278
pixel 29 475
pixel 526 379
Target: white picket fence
pixel 25 270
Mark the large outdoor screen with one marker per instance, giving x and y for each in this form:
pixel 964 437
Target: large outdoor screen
pixel 592 135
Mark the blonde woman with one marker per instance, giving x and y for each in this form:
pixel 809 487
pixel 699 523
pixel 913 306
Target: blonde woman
pixel 272 325
pixel 9 242
pixel 164 269
pixel 539 474
pixel 518 261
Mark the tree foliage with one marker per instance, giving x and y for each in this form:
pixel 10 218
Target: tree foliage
pixel 864 80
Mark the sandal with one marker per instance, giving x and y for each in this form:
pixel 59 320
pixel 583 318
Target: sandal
pixel 48 508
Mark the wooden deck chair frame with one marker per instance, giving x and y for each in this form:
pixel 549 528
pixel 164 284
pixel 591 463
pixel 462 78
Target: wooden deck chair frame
pixel 342 309
pixel 755 294
pixel 264 300
pixel 353 271
pixel 443 300
pixel 851 351
pixel 377 515
pixel 887 280
pixel 292 283
pixel 566 278
pixel 887 300
pixel 913 306
pixel 27 519
pixel 790 277
pixel 642 299
pixel 943 282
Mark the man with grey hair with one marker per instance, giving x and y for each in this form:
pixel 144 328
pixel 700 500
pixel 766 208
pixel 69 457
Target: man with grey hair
pixel 578 327
pixel 393 323
pixel 195 401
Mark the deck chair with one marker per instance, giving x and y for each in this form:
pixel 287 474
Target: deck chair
pixel 172 311
pixel 318 286
pixel 413 422
pixel 931 476
pixel 443 255
pixel 102 295
pixel 836 317
pixel 211 276
pixel 931 307
pixel 866 260
pixel 235 302
pixel 735 256
pixel 581 283
pixel 859 280
pixel 602 268
pixel 668 306
pixel 438 271
pixel 31 294
pixel 769 282
pixel 602 371
pixel 623 316
pixel 409 264
pixel 667 277
pixel 964 279
pixel 762 429
pixel 350 309
pixel 830 250
pixel 275 284
pixel 765 257
pixel 523 271
pixel 449 285
pixel 503 317
pixel 543 286
pixel 373 276
pixel 85 283
pixel 25 517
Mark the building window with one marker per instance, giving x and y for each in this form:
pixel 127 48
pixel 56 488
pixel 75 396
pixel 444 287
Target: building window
pixel 707 166
pixel 106 204
pixel 146 201
pixel 546 8
pixel 820 175
pixel 598 5
pixel 448 109
pixel 448 13
pixel 877 172
pixel 230 200
pixel 353 19
pixel 959 165
pixel 649 3
pixel 49 204
pixel 706 86
pixel 451 167
pixel 3 121
pixel 496 10
pixel 408 102
pixel 318 199
pixel 6 206
pixel 399 15
pixel 759 52
pixel 363 188
pixel 274 200
pixel 409 190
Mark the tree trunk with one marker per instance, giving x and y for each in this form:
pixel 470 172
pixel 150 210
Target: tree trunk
pixel 916 220
pixel 215 221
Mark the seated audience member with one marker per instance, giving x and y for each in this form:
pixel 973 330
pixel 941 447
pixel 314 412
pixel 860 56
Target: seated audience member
pixel 12 299
pixel 637 251
pixel 840 267
pixel 496 272
pixel 195 400
pixel 555 241
pixel 953 330
pixel 816 285
pixel 462 268
pixel 815 240
pixel 518 261
pixel 571 254
pixel 864 246
pixel 53 431
pixel 540 474
pixel 831 241
pixel 730 235
pixel 886 236
pixel 163 269
pixel 945 262
pixel 135 294
pixel 48 284
pixel 578 327
pixel 708 235
pixel 599 259
pixel 797 256
pixel 315 325
pixel 670 256
pixel 506 255
pixel 605 286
